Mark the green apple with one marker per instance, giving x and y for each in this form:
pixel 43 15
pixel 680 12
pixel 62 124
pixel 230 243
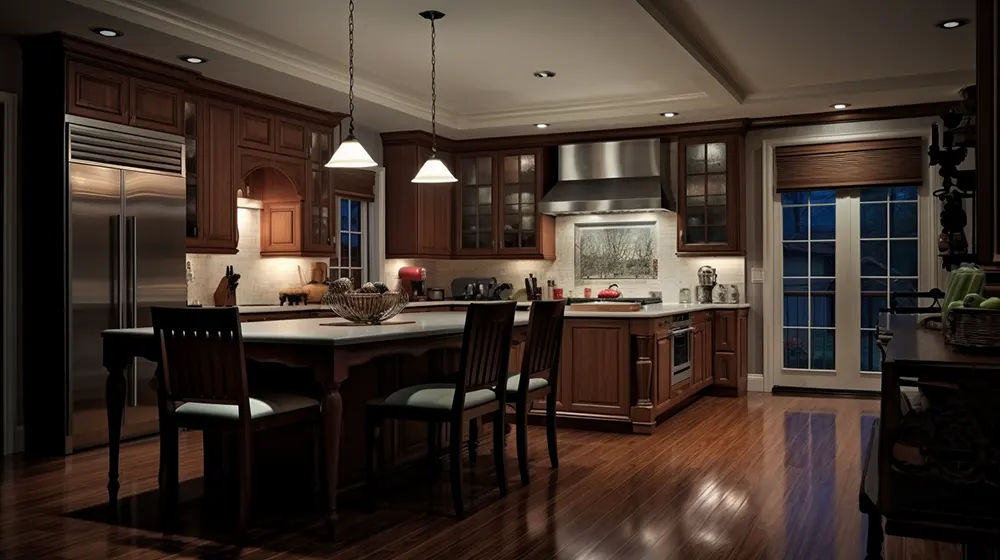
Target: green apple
pixel 992 303
pixel 973 300
pixel 955 305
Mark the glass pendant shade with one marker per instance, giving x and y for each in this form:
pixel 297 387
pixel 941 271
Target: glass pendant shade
pixel 434 171
pixel 351 154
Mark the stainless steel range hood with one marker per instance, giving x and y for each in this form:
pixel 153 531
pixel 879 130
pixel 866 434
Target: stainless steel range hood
pixel 609 177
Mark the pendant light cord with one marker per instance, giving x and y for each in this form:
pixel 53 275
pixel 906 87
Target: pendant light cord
pixel 433 89
pixel 350 68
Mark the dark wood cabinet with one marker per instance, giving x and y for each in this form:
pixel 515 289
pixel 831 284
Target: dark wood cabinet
pixel 210 139
pixel 730 346
pixel 320 236
pixel 496 210
pixel 663 362
pixel 281 229
pixel 420 216
pixel 701 348
pixel 596 351
pixel 293 139
pixel 710 195
pixel 113 96
pixel 256 130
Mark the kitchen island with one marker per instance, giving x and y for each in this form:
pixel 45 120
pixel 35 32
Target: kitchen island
pixel 349 365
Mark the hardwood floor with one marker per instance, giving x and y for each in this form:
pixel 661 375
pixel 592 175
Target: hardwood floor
pixel 760 477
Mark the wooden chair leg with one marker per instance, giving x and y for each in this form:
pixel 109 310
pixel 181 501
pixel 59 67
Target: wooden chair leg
pixel 246 482
pixel 371 441
pixel 550 428
pixel 455 452
pixel 873 546
pixel 433 450
pixel 169 471
pixel 521 417
pixel 473 439
pixel 499 421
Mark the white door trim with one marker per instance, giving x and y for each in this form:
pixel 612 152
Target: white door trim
pixel 771 238
pixel 8 103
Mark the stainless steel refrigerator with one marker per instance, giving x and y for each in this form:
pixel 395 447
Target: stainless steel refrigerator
pixel 127 253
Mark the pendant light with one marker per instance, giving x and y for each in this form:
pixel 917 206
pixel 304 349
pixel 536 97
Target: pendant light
pixel 433 170
pixel 351 153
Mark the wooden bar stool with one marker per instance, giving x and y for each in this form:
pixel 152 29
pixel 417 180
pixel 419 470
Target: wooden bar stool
pixel 476 392
pixel 538 377
pixel 203 386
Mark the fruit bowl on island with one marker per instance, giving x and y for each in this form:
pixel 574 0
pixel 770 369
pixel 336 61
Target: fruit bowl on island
pixel 372 304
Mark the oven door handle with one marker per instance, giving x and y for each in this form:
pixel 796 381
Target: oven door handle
pixel 679 332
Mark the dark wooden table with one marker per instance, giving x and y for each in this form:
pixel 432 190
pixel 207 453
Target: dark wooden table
pixel 329 352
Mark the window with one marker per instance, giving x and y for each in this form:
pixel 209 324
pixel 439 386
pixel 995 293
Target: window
pixel 888 259
pixel 353 253
pixel 809 259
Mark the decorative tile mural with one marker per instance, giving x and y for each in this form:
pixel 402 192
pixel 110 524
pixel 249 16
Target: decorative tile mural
pixel 615 251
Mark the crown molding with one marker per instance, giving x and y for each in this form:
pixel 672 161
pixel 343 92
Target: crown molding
pixel 857 115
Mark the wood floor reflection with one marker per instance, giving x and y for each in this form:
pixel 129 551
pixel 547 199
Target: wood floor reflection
pixel 761 477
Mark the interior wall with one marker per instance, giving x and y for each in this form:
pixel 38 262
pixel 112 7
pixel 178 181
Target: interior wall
pixel 755 204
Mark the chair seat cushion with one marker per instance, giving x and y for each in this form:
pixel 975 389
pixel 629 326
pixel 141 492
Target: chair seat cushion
pixel 261 406
pixel 533 382
pixel 438 396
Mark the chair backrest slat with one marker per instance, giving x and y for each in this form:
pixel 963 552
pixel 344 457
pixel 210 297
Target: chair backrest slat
pixel 486 346
pixel 202 354
pixel 541 351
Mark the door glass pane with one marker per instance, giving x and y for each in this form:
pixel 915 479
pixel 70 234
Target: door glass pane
pixel 519 198
pixel 477 198
pixel 889 260
pixel 705 190
pixel 809 257
pixel 191 167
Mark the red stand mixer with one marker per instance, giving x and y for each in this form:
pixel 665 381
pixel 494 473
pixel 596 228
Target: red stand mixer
pixel 411 281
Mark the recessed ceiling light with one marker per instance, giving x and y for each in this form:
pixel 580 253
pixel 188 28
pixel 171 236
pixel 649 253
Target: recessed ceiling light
pixel 544 74
pixel 840 105
pixel 106 32
pixel 541 125
pixel 952 23
pixel 669 114
pixel 193 59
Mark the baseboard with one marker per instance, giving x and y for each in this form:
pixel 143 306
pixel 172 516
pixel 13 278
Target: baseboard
pixel 816 392
pixel 755 382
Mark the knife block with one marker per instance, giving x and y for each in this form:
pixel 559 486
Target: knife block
pixel 224 297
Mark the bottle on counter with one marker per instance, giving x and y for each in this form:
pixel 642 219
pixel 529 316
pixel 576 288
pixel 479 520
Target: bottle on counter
pixel 549 285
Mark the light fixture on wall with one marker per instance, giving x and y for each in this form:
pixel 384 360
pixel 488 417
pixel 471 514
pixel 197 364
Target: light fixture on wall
pixel 350 153
pixel 433 170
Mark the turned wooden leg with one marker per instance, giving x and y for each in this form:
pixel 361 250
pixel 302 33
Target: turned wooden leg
pixel 371 441
pixel 473 439
pixel 521 418
pixel 114 395
pixel 169 471
pixel 332 413
pixel 245 469
pixel 433 453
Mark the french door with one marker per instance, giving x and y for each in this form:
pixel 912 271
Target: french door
pixel 842 252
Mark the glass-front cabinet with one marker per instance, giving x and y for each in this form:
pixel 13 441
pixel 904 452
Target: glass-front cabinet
pixel 710 195
pixel 496 199
pixel 191 167
pixel 320 234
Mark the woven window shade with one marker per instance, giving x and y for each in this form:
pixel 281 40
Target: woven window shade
pixel 358 184
pixel 897 161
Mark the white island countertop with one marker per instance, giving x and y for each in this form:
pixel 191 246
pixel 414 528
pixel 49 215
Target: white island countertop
pixel 318 332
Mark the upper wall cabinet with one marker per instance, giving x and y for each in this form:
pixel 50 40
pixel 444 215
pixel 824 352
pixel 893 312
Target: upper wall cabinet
pixel 418 216
pixel 112 96
pixel 496 210
pixel 210 140
pixel 710 195
pixel 264 131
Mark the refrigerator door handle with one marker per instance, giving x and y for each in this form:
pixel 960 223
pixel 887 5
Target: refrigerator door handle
pixel 117 270
pixel 132 260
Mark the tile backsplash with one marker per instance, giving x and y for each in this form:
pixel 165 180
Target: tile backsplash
pixel 261 278
pixel 673 273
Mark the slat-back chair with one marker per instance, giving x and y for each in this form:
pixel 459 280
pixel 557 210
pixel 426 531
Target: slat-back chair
pixel 477 391
pixel 204 384
pixel 538 377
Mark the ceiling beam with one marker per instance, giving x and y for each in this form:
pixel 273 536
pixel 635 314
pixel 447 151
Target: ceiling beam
pixel 671 17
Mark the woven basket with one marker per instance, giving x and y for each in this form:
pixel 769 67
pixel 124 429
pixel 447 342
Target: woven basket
pixel 370 309
pixel 974 328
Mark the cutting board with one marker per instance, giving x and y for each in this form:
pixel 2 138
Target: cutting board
pixel 615 306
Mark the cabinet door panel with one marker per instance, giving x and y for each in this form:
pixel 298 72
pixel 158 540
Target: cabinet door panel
pixel 281 228
pixel 256 130
pixel 595 367
pixel 156 106
pixel 217 146
pixel 725 331
pixel 662 374
pixel 516 204
pixel 97 93
pixel 291 138
pixel 475 213
pixel 725 369
pixel 709 178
